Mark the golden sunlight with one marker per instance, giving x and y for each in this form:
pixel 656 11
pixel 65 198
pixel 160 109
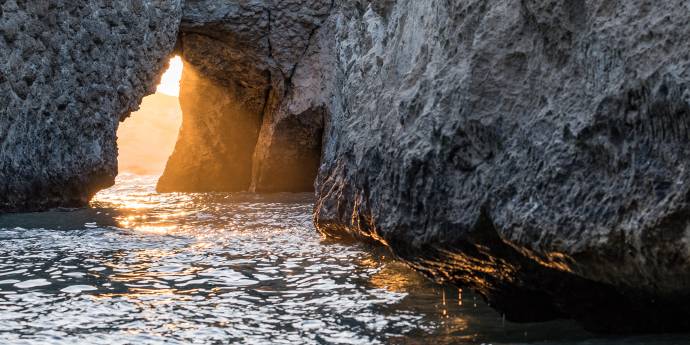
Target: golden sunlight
pixel 170 82
pixel 147 138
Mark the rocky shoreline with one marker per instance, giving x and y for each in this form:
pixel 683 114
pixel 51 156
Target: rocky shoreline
pixel 535 151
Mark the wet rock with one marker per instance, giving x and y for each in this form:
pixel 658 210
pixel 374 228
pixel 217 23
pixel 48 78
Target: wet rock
pixel 533 150
pixel 69 72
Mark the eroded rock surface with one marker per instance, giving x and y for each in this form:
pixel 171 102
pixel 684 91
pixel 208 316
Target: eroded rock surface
pixel 536 151
pixel 256 53
pixel 69 72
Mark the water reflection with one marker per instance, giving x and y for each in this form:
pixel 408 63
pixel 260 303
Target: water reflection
pixel 144 268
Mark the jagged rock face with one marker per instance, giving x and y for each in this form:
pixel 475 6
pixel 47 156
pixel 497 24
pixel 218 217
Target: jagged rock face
pixel 288 153
pixel 59 104
pixel 536 151
pixel 267 137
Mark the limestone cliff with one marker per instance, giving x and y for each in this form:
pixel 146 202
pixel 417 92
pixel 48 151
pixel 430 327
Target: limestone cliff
pixel 69 72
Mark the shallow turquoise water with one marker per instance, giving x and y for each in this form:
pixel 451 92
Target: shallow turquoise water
pixel 144 268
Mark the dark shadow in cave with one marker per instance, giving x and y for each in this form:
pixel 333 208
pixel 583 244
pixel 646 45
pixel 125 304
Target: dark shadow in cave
pixel 290 162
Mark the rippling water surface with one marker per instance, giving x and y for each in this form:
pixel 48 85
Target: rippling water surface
pixel 147 268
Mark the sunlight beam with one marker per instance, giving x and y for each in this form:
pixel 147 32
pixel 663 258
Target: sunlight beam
pixel 170 82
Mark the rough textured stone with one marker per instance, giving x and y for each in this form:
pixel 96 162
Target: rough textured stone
pixel 252 51
pixel 536 151
pixel 69 72
pixel 288 151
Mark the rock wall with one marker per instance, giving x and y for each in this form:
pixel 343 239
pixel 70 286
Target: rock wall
pixel 263 56
pixel 536 151
pixel 59 104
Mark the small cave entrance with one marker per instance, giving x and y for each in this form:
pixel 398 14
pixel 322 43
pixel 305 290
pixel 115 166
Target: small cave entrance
pixel 146 139
pixel 289 160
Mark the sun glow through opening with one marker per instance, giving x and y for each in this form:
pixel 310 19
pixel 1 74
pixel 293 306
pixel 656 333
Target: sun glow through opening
pixel 147 138
pixel 170 81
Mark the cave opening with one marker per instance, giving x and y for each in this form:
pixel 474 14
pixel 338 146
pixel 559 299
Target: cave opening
pixel 205 131
pixel 147 138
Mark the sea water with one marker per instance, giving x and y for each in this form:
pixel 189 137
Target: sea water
pixel 139 267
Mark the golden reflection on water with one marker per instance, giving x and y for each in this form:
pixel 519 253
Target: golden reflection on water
pixel 394 276
pixel 391 280
pixel 390 275
pixel 160 229
pixel 142 223
pixel 214 267
pixel 460 297
pixel 143 214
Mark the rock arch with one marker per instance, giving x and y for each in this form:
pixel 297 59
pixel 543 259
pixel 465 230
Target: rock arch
pixel 251 96
pixel 73 70
pixel 533 150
